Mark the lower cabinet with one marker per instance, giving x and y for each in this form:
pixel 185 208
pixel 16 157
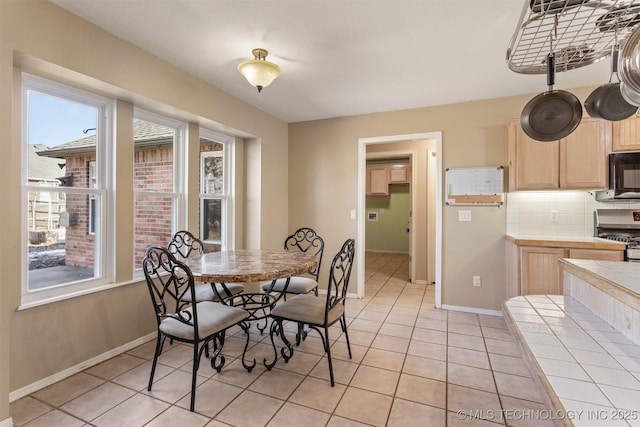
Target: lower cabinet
pixel 534 270
pixel 540 274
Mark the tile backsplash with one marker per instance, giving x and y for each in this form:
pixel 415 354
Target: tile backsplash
pixel 555 213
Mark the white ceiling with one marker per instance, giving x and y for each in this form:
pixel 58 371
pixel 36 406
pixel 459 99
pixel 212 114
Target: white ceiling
pixel 338 57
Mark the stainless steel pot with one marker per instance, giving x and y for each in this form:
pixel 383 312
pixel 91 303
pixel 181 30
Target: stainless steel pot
pixel 630 96
pixel 629 66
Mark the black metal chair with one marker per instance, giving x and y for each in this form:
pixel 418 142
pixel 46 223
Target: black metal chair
pixel 184 245
pixel 318 313
pixel 304 240
pixel 169 282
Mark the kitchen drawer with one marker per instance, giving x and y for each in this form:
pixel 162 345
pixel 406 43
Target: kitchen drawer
pixel 599 254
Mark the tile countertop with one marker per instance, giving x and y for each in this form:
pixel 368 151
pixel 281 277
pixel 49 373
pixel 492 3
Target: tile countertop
pixel 565 242
pixel 590 371
pixel 617 278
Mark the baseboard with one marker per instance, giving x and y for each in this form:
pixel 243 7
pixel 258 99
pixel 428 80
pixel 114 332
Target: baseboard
pixel 472 310
pixel 349 294
pixel 420 282
pixel 59 376
pixel 382 251
pixel 7 422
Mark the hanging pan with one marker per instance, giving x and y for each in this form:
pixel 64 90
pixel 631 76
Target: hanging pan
pixel 553 114
pixel 553 6
pixel 607 101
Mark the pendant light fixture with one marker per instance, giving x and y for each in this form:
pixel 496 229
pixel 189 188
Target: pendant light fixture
pixel 258 71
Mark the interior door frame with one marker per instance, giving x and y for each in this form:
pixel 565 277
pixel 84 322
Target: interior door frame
pixel 411 155
pixel 360 236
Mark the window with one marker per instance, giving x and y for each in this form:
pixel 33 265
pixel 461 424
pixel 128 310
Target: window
pixel 64 192
pixel 157 180
pixel 69 202
pixel 216 184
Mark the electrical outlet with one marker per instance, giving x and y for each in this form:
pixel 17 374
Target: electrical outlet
pixel 554 216
pixel 477 281
pixel 464 216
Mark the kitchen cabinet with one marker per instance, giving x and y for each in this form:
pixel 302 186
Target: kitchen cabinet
pixel 398 174
pixel 578 161
pixel 377 180
pixel 626 134
pixel 532 263
pixel 380 175
pixel 599 254
pixel 540 273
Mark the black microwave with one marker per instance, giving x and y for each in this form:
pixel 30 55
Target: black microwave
pixel 624 178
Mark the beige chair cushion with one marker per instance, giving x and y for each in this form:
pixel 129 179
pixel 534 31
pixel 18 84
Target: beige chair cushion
pixel 297 285
pixel 204 292
pixel 213 317
pixel 307 309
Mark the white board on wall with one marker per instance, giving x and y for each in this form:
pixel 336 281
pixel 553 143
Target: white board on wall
pixel 475 185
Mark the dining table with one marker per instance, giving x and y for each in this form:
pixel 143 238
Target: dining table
pixel 250 265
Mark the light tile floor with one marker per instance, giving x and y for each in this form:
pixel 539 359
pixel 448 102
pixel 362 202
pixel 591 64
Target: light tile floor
pixel 412 365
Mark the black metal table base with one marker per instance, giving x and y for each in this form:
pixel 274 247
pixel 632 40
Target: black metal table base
pixel 259 306
pixel 286 352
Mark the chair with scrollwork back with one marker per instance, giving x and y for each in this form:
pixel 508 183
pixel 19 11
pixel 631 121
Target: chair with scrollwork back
pixel 304 240
pixel 184 245
pixel 318 313
pixel 171 285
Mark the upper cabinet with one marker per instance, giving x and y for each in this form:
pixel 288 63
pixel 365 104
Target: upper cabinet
pixel 578 161
pixel 583 156
pixel 399 174
pixel 380 175
pixel 626 134
pixel 377 180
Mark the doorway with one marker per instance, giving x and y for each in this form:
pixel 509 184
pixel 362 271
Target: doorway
pixel 423 150
pixel 388 207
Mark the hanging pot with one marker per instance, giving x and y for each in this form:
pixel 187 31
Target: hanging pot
pixel 629 67
pixel 632 97
pixel 552 115
pixel 607 101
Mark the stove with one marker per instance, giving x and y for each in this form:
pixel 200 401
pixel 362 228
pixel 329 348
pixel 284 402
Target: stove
pixel 621 225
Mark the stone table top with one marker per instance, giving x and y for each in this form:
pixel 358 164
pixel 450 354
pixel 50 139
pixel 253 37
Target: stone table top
pixel 249 265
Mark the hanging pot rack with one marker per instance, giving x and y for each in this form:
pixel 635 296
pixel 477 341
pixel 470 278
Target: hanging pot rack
pixel 581 31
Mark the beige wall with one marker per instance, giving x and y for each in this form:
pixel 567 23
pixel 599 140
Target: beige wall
pixel 43 39
pixel 473 134
pixel 321 178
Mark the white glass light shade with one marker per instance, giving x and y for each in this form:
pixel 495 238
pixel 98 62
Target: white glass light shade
pixel 259 72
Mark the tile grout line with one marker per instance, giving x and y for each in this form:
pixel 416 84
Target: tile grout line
pixel 399 297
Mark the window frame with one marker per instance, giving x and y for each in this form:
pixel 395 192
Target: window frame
pixel 227 197
pixel 103 272
pixel 105 266
pixel 178 195
pixel 92 199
